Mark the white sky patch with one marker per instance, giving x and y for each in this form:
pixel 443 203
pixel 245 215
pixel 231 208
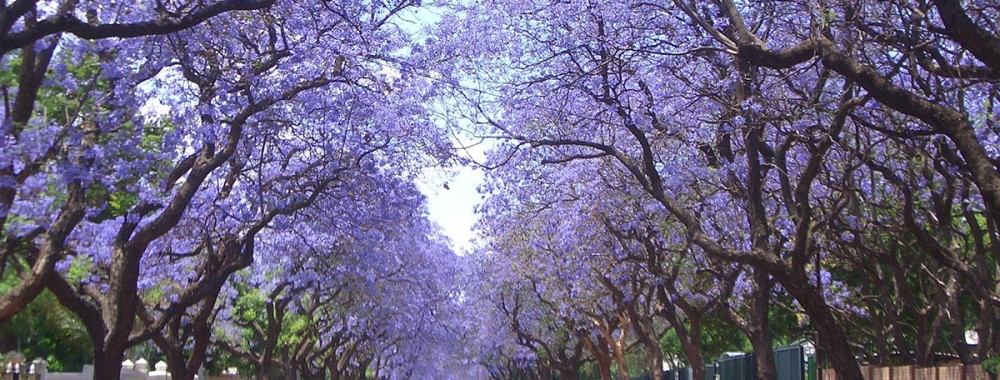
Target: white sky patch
pixel 153 109
pixel 453 208
pixel 391 74
pixel 452 194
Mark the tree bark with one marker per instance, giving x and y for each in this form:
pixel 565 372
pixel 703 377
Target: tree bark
pixel 108 363
pixel 544 372
pixel 696 359
pixel 568 374
pixel 604 367
pixel 759 324
pixel 619 356
pixel 177 367
pixel 655 359
pixel 833 341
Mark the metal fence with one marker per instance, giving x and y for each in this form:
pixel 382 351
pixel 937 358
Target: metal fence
pixel 743 367
pixel 710 372
pixel 789 362
pixel 684 374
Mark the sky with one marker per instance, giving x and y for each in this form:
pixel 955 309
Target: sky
pixel 452 208
pixel 451 193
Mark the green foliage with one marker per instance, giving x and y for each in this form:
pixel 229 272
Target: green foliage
pixel 118 202
pixel 44 329
pixel 81 267
pixel 992 366
pixel 719 336
pixel 9 77
pixel 250 307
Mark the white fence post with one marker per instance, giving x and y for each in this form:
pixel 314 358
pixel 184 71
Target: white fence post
pixel 139 370
pixel 160 372
pixel 40 368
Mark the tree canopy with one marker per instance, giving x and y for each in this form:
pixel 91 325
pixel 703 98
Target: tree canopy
pixel 235 183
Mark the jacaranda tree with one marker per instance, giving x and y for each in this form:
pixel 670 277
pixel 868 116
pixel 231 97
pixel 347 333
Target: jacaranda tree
pixel 746 123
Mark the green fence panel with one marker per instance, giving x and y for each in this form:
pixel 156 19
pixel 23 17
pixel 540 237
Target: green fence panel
pixel 789 362
pixel 684 374
pixel 811 374
pixel 742 367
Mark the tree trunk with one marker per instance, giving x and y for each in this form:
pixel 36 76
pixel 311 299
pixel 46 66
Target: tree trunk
pixel 697 367
pixel 119 314
pixel 759 324
pixel 655 361
pixel 691 341
pixel 690 337
pixel 544 372
pixel 178 366
pixel 108 364
pixel 619 356
pixel 183 364
pixel 833 342
pixel 568 375
pixel 601 355
pixel 265 370
pixel 604 366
